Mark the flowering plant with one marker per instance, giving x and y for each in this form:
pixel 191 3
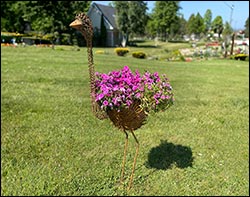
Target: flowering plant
pixel 119 89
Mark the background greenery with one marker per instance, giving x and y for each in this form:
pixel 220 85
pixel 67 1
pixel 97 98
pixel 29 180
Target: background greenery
pixel 51 143
pixel 50 20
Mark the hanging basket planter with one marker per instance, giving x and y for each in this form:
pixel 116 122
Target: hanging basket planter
pixel 127 98
pixel 130 118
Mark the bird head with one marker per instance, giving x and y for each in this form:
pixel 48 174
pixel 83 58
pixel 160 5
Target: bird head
pixel 77 24
pixel 82 23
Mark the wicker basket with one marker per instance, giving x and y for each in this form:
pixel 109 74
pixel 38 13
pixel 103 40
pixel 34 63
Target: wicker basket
pixel 130 118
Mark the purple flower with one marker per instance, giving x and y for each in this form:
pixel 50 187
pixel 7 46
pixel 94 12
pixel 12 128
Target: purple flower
pixel 100 96
pixel 105 103
pixel 120 88
pixel 138 95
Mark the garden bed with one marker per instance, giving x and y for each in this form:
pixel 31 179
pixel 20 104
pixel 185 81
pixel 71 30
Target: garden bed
pixel 240 56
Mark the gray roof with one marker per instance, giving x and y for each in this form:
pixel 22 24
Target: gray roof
pixel 108 12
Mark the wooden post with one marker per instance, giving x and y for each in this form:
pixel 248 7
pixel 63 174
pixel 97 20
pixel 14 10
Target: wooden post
pixel 232 45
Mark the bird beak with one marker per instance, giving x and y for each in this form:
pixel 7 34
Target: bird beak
pixel 76 24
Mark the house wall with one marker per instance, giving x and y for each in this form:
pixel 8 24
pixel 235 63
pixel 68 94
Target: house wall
pixel 113 37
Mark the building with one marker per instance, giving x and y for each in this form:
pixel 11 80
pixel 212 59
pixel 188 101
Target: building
pixel 95 13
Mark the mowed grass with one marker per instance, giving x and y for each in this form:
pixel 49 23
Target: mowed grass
pixel 52 144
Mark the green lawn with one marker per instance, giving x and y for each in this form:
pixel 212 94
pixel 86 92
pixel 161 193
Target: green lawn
pixel 51 143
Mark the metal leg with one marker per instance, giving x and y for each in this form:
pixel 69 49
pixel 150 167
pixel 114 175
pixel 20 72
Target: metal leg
pixel 124 156
pixel 136 154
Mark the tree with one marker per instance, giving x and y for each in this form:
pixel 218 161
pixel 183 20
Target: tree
pixel 227 34
pixel 217 25
pixel 44 16
pixel 55 16
pixel 191 24
pixel 178 29
pixel 207 20
pixel 151 29
pixel 137 17
pixel 247 28
pixel 228 30
pixel 164 14
pixel 11 16
pixel 200 26
pixel 131 17
pixel 122 17
pixel 195 25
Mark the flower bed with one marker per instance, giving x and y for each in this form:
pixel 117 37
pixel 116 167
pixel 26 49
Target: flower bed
pixel 240 56
pixel 119 89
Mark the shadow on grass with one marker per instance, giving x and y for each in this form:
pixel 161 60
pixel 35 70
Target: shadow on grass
pixel 165 155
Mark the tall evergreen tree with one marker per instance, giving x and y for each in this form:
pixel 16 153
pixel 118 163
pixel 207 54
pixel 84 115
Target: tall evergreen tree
pixel 191 24
pixel 122 16
pixel 199 24
pixel 164 14
pixel 207 20
pixel 179 28
pixel 137 17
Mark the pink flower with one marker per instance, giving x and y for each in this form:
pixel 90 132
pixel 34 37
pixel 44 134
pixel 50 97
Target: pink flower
pixel 105 103
pixel 119 89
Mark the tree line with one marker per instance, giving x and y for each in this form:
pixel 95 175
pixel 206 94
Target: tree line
pixel 46 17
pixel 165 21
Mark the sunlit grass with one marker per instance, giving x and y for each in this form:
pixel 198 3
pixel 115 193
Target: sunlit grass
pixel 52 144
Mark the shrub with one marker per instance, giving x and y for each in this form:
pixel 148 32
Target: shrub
pixel 100 52
pixel 121 51
pixel 6 37
pixel 139 54
pixel 240 56
pixel 174 56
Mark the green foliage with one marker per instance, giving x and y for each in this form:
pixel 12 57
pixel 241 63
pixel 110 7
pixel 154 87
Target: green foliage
pixel 12 16
pixel 151 28
pixel 228 30
pixel 191 24
pixel 174 55
pixel 178 28
pixel 137 17
pixel 121 51
pixel 139 54
pixel 122 8
pixel 131 17
pixel 44 16
pixel 195 24
pixel 200 24
pixel 207 19
pixel 217 25
pixel 165 14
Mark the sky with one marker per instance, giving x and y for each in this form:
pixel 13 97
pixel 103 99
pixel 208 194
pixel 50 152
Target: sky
pixel 240 11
